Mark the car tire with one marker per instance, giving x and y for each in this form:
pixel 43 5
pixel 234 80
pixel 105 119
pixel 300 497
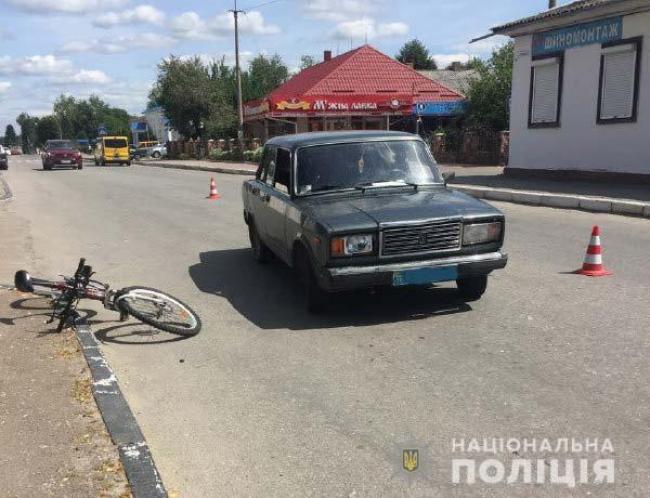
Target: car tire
pixel 156 155
pixel 102 162
pixel 261 253
pixel 80 166
pixel 46 167
pixel 472 288
pixel 128 163
pixel 96 162
pixel 316 299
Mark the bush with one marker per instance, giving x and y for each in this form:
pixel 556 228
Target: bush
pixel 254 156
pixel 227 155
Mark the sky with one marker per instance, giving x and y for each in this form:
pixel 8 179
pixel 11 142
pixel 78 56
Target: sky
pixel 111 47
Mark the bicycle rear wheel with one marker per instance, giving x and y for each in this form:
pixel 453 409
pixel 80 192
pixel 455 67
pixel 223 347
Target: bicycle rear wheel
pixel 159 310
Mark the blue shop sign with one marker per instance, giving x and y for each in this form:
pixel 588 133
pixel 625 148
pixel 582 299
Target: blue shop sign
pixel 440 108
pixel 558 40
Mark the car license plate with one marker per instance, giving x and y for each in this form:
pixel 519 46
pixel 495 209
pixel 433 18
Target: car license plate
pixel 423 276
pixel 66 161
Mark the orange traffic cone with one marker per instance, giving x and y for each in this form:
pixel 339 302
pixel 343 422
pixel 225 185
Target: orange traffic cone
pixel 213 190
pixel 593 264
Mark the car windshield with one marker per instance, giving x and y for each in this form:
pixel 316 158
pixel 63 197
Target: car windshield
pixel 59 144
pixel 365 165
pixel 115 143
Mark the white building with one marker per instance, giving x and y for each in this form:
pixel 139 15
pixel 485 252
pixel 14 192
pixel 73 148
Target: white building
pixel 581 91
pixel 159 126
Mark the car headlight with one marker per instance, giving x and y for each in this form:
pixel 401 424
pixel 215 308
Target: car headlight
pixel 351 245
pixel 481 233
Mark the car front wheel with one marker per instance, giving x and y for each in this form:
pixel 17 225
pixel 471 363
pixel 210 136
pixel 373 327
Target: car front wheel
pixel 261 253
pixel 316 299
pixel 472 288
pixel 156 155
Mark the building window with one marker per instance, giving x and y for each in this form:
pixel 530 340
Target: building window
pixel 545 91
pixel 619 81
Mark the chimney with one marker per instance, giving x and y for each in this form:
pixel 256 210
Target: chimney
pixel 552 4
pixel 327 55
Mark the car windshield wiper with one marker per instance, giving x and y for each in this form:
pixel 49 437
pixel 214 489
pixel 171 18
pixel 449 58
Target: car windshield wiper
pixel 399 183
pixel 325 188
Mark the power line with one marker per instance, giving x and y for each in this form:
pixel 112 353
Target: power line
pixel 263 4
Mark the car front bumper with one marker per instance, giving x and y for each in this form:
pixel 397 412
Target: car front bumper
pixel 359 277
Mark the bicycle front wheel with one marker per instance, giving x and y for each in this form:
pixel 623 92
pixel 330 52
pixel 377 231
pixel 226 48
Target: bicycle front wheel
pixel 159 310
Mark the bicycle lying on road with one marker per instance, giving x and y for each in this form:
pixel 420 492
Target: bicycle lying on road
pixel 150 306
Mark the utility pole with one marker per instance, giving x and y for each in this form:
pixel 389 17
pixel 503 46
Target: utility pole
pixel 240 104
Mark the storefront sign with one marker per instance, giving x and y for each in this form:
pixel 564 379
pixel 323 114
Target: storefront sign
pixel 440 108
pixel 292 105
pixel 559 40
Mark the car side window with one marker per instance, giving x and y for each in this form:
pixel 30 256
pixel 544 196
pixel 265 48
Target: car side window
pixel 267 164
pixel 282 178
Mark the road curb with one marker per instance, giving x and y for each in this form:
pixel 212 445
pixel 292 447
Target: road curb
pixel 122 426
pixel 562 201
pixel 213 169
pixel 5 191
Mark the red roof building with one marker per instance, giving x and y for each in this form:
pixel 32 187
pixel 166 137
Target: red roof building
pixel 360 89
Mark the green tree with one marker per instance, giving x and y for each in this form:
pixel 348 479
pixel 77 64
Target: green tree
pixel 10 136
pixel 27 131
pixel 185 91
pixel 263 76
pixel 306 61
pixel 489 93
pixel 414 52
pixel 47 128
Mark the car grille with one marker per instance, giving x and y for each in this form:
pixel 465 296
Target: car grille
pixel 428 237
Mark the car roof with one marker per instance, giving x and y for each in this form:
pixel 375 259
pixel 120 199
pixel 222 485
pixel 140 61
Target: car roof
pixel 338 137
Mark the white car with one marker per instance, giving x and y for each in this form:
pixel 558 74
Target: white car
pixel 5 150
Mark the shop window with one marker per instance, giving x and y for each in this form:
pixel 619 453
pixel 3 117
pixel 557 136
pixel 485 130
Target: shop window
pixel 619 81
pixel 545 92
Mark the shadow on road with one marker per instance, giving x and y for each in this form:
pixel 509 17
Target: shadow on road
pixel 270 296
pixel 39 303
pixel 134 334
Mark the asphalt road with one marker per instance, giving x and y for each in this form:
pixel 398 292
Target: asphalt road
pixel 269 401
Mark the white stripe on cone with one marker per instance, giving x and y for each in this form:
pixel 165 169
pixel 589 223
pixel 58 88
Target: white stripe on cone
pixel 594 259
pixel 595 240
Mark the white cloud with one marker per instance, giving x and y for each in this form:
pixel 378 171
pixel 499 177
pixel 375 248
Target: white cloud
pixel 443 60
pixel 482 48
pixel 35 65
pixel 142 14
pixel 385 30
pixel 368 29
pixel 116 45
pixel 66 6
pixel 4 86
pixel 339 10
pixel 83 77
pixel 191 26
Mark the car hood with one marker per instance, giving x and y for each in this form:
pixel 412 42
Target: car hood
pixel 372 209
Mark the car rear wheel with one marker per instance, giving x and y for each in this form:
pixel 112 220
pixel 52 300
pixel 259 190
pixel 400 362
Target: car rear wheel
pixel 156 155
pixel 472 288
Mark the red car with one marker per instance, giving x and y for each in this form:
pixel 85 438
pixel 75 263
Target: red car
pixel 61 153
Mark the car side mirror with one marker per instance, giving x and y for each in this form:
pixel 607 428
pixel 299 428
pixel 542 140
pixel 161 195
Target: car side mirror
pixel 23 281
pixel 448 176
